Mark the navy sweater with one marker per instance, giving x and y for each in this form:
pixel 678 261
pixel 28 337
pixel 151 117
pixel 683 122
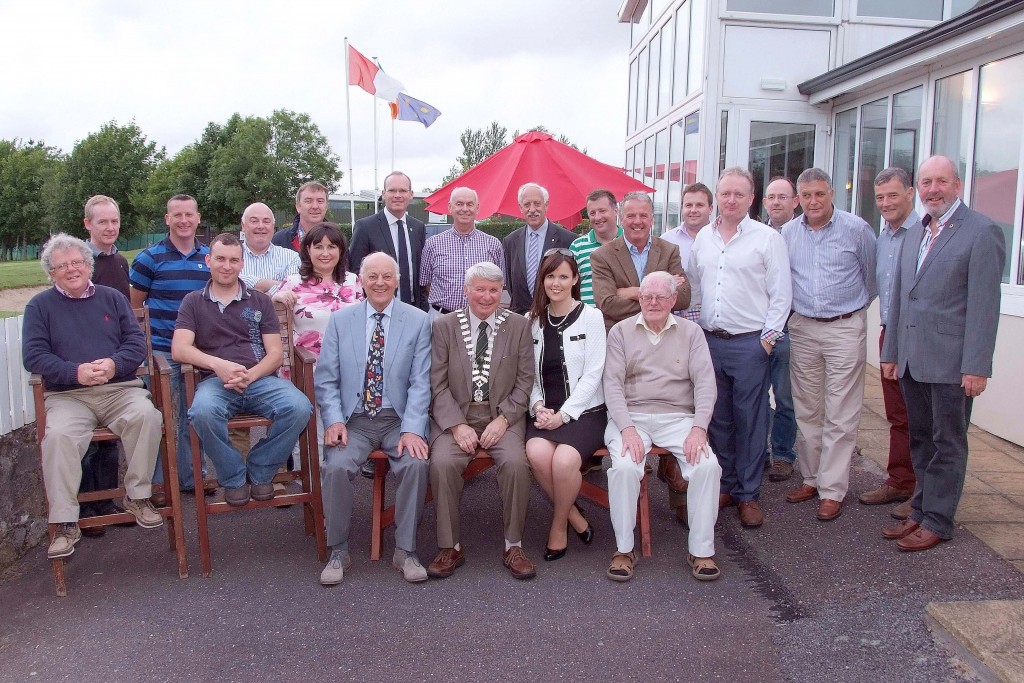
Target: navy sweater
pixel 61 333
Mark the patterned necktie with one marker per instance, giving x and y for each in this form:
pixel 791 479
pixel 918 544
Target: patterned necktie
pixel 405 288
pixel 532 259
pixel 373 397
pixel 480 356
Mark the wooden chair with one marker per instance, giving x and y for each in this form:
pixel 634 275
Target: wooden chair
pixel 383 517
pixel 159 371
pixel 301 364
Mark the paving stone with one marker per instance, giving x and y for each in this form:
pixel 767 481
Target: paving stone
pixel 976 507
pixel 1006 538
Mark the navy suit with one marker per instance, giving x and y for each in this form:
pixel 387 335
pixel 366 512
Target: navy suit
pixel 942 325
pixel 373 233
pixel 514 246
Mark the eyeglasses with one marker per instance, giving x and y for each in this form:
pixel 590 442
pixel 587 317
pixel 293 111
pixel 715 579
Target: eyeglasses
pixel 659 298
pixel 77 263
pixel 562 250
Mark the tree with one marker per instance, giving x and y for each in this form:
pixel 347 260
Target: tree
pixel 117 162
pixel 561 138
pixel 298 144
pixel 243 171
pixel 27 173
pixel 477 145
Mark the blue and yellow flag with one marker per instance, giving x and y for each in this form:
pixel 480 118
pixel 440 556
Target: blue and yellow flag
pixel 410 109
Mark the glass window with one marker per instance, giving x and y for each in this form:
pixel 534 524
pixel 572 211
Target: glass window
pixel 691 147
pixel 652 83
pixel 723 140
pixel 778 149
pixel 682 53
pixel 629 161
pixel 906 129
pixel 806 8
pixel 675 174
pixel 874 122
pixel 641 90
pixel 660 181
pixel 695 73
pixel 649 162
pixel 904 9
pixel 952 118
pixel 961 6
pixel 845 153
pixel 997 146
pixel 665 83
pixel 631 113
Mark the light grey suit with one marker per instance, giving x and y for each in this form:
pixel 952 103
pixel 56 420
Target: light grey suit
pixel 942 325
pixel 340 379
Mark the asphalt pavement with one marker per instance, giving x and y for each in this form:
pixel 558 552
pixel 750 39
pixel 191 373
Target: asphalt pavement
pixel 799 600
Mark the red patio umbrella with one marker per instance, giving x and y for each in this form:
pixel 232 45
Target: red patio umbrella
pixel 569 175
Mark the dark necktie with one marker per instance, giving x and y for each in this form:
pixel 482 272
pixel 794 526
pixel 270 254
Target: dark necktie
pixel 373 397
pixel 405 287
pixel 481 355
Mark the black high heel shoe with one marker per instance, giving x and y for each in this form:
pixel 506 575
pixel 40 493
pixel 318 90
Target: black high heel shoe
pixel 587 535
pixel 551 555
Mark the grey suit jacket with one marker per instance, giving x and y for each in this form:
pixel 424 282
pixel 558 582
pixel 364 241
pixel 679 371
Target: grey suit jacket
pixel 514 246
pixel 373 233
pixel 611 268
pixel 340 375
pixel 943 317
pixel 451 373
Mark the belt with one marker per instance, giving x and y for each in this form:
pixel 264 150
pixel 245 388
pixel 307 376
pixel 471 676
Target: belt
pixel 834 318
pixel 439 309
pixel 722 334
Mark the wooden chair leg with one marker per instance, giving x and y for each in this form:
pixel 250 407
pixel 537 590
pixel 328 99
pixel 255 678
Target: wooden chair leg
pixel 201 510
pixel 644 515
pixel 316 506
pixel 380 472
pixel 59 582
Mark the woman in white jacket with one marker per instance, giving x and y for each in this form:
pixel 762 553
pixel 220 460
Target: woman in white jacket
pixel 567 402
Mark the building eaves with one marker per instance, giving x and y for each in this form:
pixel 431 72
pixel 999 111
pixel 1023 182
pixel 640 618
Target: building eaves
pixel 971 20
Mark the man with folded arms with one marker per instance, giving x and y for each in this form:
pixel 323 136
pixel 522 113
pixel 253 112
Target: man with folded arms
pixel 480 403
pixel 89 380
pixel 232 333
pixel 739 272
pixel 379 403
pixel 832 262
pixel 941 334
pixel 659 387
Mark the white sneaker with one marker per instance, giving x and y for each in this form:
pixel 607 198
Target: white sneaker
pixel 145 515
pixel 409 565
pixel 64 540
pixel 334 572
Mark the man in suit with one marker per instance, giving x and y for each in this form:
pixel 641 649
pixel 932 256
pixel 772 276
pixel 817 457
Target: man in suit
pixel 941 337
pixel 381 403
pixel 525 246
pixel 477 403
pixel 310 209
pixel 618 266
pixel 393 231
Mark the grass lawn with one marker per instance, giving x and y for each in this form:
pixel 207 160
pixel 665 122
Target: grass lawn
pixel 29 274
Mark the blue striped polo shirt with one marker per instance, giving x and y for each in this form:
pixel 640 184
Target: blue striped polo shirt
pixel 166 276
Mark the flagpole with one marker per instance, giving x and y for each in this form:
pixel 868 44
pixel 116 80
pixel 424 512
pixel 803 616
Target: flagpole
pixel 348 131
pixel 376 188
pixel 392 142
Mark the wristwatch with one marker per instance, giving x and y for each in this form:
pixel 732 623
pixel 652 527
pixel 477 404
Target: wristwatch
pixel 565 417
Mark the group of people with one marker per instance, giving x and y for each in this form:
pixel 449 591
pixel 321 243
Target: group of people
pixel 615 339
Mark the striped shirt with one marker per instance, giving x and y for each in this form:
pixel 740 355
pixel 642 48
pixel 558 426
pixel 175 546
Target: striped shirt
pixel 276 263
pixel 887 252
pixel 166 275
pixel 445 259
pixel 833 267
pixel 582 247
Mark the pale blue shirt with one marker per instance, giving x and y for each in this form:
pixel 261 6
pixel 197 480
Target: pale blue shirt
pixel 541 235
pixel 887 254
pixel 371 325
pixel 639 257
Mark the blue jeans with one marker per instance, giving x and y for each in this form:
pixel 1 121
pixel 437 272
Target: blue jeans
pixel 271 397
pixel 181 435
pixel 782 419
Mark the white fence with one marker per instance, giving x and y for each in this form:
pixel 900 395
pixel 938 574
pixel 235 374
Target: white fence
pixel 16 406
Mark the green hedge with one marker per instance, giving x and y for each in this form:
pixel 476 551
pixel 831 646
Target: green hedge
pixel 501 228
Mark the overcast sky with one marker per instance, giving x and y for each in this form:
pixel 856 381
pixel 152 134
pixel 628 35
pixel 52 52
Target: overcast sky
pixel 68 67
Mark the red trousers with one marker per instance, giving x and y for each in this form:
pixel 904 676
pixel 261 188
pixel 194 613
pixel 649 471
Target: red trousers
pixel 901 472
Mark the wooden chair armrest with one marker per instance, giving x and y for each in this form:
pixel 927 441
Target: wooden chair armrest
pixel 35 380
pixel 162 365
pixel 305 355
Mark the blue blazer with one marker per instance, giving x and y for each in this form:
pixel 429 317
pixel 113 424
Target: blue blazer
pixel 340 374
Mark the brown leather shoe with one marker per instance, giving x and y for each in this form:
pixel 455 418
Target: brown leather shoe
pixel 725 500
pixel 158 499
pixel 901 511
pixel 801 493
pixel 829 509
pixel 751 514
pixel 518 563
pixel 899 530
pixel 668 472
pixel 780 470
pixel 682 517
pixel 922 539
pixel 885 494
pixel 446 562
